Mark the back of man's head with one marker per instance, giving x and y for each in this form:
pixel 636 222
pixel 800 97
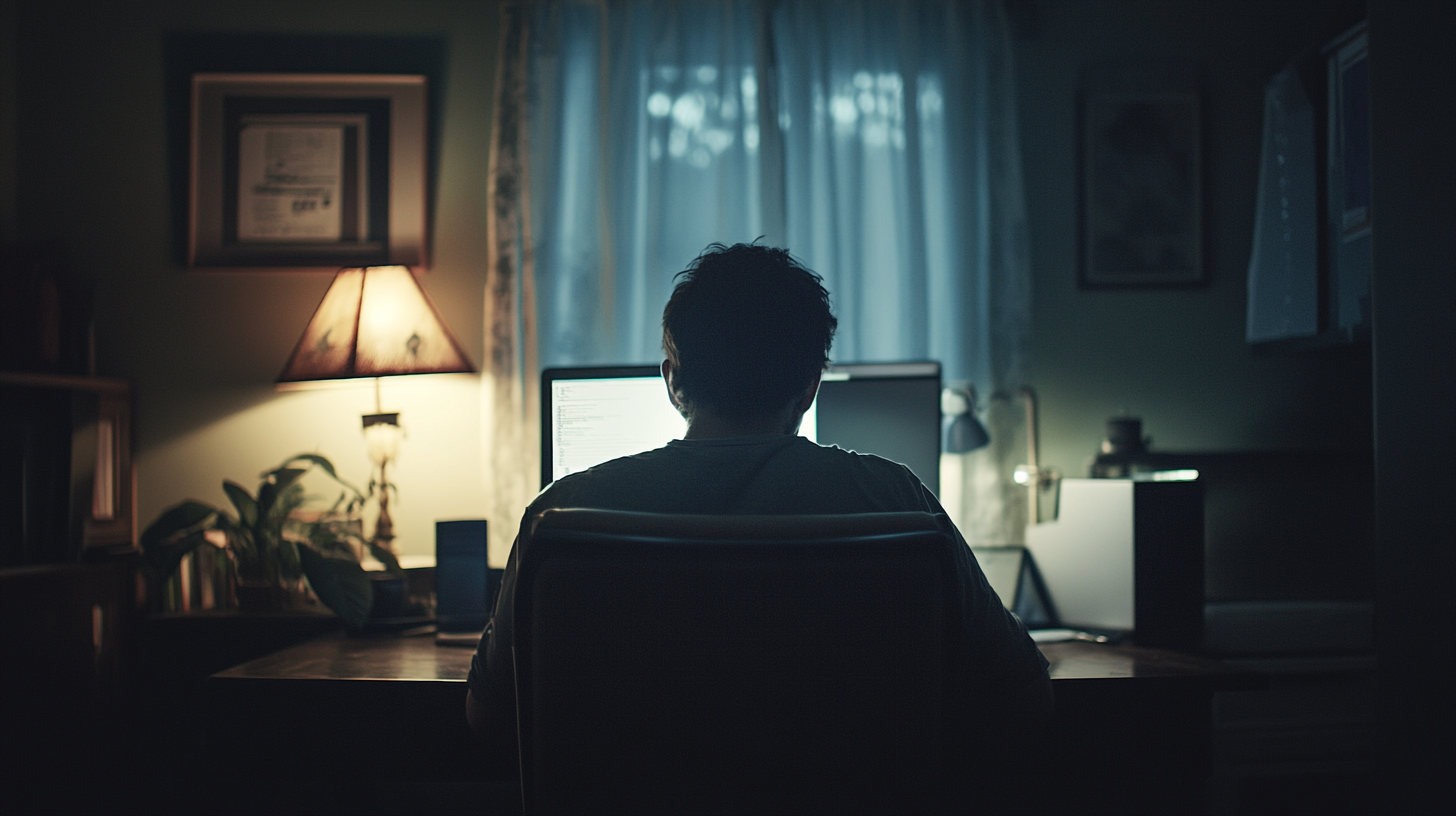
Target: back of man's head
pixel 747 328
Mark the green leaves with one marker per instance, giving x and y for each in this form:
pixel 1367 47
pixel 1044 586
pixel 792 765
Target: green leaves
pixel 276 484
pixel 247 507
pixel 385 557
pixel 266 543
pixel 340 583
pixel 175 533
pixel 322 464
pixel 290 559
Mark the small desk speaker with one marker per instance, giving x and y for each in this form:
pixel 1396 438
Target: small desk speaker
pixel 463 585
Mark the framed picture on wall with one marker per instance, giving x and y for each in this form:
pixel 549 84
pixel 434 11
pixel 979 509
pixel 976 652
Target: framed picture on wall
pixel 307 170
pixel 1141 190
pixel 1348 185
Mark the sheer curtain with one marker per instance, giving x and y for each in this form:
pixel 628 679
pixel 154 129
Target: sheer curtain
pixel 876 140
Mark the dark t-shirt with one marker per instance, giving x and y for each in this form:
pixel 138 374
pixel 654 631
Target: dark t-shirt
pixel 773 474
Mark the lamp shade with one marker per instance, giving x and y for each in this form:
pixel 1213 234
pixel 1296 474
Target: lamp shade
pixel 963 433
pixel 375 322
pixel 966 434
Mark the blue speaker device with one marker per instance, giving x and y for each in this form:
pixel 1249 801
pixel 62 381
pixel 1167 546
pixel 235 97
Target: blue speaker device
pixel 464 583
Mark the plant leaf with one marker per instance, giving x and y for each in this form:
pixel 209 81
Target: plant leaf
pixel 289 559
pixel 288 500
pixel 247 507
pixel 329 537
pixel 385 557
pixel 175 518
pixel 276 482
pixel 340 583
pixel 245 551
pixel 323 464
pixel 168 555
pixel 163 535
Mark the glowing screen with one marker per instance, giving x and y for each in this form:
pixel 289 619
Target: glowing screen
pixel 596 420
pixel 591 416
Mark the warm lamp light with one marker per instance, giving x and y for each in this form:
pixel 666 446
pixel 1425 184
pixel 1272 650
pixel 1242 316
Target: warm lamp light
pixel 376 322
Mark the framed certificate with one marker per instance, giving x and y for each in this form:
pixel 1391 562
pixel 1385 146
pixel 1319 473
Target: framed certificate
pixel 307 171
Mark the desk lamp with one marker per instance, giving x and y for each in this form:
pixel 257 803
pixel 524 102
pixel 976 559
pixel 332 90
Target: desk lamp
pixel 376 322
pixel 964 433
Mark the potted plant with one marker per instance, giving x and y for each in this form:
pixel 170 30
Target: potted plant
pixel 271 550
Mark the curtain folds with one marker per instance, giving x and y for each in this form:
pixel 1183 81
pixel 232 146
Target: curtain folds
pixel 876 140
pixel 510 402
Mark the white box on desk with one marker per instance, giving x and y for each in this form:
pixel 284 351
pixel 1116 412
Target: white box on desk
pixel 1126 555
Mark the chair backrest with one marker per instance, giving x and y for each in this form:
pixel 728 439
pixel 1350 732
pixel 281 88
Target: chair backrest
pixel 720 664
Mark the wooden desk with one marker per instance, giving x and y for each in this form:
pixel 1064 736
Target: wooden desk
pixel 1133 725
pixel 1078 663
pixel 338 658
pixel 1134 728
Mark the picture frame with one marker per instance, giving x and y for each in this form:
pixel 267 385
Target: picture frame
pixel 1348 186
pixel 307 171
pixel 1349 136
pixel 1141 190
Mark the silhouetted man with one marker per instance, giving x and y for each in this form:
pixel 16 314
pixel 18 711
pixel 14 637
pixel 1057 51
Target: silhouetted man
pixel 746 334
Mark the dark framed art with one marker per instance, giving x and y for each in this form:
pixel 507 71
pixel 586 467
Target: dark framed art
pixel 307 170
pixel 1142 190
pixel 1348 184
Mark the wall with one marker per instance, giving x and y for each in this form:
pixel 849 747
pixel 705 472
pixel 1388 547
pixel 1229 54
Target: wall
pixel 7 119
pixel 203 348
pixel 1412 116
pixel 1177 357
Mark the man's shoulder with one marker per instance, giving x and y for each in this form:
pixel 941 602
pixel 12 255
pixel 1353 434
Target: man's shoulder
pixel 608 483
pixel 752 474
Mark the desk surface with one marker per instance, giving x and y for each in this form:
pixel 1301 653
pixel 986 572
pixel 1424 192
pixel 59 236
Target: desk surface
pixel 418 659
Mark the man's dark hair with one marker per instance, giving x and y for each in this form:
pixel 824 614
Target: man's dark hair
pixel 747 328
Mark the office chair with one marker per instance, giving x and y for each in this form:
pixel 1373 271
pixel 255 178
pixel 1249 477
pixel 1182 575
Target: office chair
pixel 734 664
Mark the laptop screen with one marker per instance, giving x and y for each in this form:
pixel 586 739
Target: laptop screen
pixel 592 415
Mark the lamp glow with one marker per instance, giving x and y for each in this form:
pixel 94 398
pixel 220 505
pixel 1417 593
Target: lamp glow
pixel 376 322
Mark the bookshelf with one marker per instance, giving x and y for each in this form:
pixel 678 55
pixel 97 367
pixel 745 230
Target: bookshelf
pixel 67 481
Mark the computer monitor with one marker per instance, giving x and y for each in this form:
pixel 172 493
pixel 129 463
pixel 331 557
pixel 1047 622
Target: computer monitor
pixel 592 415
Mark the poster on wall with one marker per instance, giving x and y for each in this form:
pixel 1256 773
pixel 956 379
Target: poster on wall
pixel 1283 279
pixel 1141 190
pixel 307 171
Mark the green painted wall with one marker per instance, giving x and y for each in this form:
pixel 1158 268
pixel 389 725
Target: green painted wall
pixel 1175 357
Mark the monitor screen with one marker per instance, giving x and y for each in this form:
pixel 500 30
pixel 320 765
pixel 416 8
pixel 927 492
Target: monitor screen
pixel 592 415
pixel 888 409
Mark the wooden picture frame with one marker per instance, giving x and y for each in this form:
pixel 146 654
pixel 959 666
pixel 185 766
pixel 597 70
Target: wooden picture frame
pixel 1142 190
pixel 307 171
